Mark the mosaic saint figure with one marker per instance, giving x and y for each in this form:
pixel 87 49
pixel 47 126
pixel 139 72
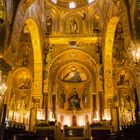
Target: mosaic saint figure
pixel 73 26
pixel 123 79
pixel 74 100
pixel 48 25
pixel 126 108
pixel 73 76
pixel 62 98
pixel 85 98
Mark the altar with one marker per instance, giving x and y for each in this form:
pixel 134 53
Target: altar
pixel 73 131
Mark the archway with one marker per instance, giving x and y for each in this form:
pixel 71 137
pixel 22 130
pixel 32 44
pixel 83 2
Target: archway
pixel 35 39
pixel 108 68
pixel 109 41
pixel 35 69
pixel 72 70
pixel 126 95
pixel 19 98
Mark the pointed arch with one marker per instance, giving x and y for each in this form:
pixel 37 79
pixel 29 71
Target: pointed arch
pixel 109 41
pixel 71 56
pixel 37 55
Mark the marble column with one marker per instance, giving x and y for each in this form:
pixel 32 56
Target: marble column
pixel 101 104
pixel 33 112
pixel 137 90
pixel 45 104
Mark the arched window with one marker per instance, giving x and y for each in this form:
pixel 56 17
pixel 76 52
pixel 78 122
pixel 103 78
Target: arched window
pixel 72 5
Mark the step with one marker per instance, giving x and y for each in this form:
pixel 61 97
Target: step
pixel 75 138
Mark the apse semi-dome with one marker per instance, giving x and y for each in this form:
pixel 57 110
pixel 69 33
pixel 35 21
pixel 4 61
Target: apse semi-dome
pixel 72 4
pixel 73 74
